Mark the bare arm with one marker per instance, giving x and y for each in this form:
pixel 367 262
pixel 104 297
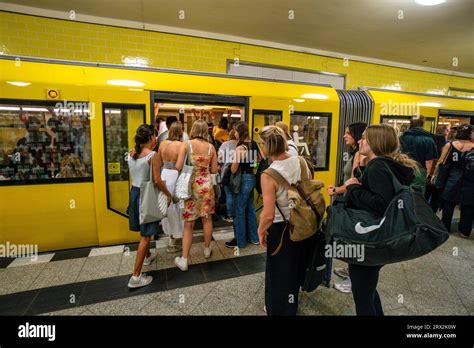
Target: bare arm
pixel 428 165
pixel 269 188
pixel 214 166
pixel 355 163
pixel 444 153
pixel 441 160
pixel 181 156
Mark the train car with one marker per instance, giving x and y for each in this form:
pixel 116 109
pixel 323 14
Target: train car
pixel 395 108
pixel 65 130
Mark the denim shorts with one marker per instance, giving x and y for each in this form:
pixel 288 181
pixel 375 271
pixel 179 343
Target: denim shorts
pixel 146 230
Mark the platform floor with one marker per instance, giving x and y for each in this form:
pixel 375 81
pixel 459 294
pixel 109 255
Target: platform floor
pixel 94 282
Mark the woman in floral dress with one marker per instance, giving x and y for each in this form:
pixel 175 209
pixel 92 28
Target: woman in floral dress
pixel 202 203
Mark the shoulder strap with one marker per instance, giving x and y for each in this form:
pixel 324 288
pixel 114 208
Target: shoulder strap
pixel 151 167
pixel 209 152
pixel 304 168
pixel 278 178
pixel 293 146
pixel 443 161
pixel 189 150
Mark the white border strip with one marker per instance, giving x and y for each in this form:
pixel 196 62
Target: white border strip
pixel 210 35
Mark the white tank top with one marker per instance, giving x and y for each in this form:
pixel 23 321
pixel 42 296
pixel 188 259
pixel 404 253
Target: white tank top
pixel 291 171
pixel 140 169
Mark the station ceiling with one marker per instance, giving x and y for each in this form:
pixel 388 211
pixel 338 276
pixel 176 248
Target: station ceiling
pixel 393 30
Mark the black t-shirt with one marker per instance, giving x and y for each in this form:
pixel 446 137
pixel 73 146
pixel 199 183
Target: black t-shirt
pixel 249 161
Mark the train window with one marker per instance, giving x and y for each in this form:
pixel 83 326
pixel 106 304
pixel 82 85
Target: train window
pixel 43 142
pixel 120 124
pixel 311 133
pixel 263 118
pixel 402 123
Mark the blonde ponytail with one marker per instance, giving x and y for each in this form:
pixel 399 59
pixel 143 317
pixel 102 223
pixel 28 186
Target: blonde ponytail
pixel 406 161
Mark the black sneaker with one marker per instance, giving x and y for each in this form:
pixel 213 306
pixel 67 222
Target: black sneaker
pixel 231 244
pixel 254 243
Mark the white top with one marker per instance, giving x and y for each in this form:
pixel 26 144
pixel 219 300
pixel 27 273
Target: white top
pixel 227 152
pixel 140 169
pixel 292 148
pixel 291 171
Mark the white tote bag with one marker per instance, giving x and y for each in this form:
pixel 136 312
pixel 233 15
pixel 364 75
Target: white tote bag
pixel 183 189
pixel 153 202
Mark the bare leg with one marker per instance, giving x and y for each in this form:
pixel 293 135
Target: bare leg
pixel 143 249
pixel 207 226
pixel 187 237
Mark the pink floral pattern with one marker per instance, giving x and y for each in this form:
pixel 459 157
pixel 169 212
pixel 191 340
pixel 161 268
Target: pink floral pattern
pixel 202 203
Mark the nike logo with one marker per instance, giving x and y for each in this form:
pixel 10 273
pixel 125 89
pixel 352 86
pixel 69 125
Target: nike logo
pixel 363 230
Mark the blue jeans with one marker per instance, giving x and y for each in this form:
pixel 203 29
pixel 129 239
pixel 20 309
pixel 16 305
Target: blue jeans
pixel 229 201
pixel 245 218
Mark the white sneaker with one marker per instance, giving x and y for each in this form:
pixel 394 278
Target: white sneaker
pixel 137 282
pixel 342 272
pixel 149 260
pixel 181 263
pixel 207 252
pixel 345 286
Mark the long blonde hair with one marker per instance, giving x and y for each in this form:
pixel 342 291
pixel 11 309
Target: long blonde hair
pixel 383 140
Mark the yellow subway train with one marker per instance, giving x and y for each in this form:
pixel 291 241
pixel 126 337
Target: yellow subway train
pixel 65 129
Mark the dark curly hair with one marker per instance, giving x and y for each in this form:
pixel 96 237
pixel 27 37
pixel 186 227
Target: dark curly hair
pixel 142 136
pixel 464 132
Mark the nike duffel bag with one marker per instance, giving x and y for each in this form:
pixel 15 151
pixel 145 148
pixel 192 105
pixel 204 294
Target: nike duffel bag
pixel 408 229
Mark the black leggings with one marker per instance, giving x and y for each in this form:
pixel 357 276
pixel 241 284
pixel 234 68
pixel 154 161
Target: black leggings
pixel 364 281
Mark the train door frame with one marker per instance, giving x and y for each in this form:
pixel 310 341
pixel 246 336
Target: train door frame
pixel 106 105
pixel 264 112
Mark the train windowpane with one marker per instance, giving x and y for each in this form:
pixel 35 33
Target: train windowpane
pixel 310 132
pixel 263 118
pixel 402 123
pixel 120 126
pixel 44 142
